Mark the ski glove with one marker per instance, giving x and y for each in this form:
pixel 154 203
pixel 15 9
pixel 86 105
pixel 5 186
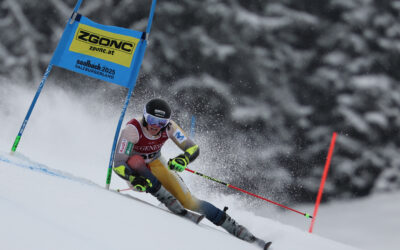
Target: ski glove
pixel 140 183
pixel 178 163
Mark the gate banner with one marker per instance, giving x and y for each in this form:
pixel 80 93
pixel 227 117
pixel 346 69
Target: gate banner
pixel 104 52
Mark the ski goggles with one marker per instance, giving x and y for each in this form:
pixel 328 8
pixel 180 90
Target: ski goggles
pixel 155 121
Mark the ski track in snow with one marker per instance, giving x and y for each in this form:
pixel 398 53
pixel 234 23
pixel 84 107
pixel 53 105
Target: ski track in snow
pixel 37 167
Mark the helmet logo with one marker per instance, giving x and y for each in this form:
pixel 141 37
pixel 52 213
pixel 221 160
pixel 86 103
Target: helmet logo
pixel 158 112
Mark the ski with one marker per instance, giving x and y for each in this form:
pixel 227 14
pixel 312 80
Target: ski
pixel 195 218
pixel 192 216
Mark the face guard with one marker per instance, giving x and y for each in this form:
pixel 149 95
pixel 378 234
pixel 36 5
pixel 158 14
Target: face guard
pixel 154 120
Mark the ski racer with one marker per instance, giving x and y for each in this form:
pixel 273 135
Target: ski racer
pixel 138 160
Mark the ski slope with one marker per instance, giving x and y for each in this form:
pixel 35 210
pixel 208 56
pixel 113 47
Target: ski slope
pixel 51 208
pixel 43 208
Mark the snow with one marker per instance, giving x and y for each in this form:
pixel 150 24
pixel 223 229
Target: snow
pixel 368 223
pixel 354 119
pixel 61 203
pixel 208 82
pixel 251 113
pixel 371 82
pixel 53 210
pixel 377 118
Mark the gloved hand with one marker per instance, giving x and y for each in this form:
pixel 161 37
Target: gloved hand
pixel 140 183
pixel 178 163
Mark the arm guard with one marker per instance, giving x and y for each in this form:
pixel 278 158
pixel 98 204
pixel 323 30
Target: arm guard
pixel 192 153
pixel 191 149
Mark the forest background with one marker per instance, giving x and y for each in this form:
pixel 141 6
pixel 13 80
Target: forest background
pixel 268 81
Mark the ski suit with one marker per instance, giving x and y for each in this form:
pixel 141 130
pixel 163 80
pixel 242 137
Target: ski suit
pixel 139 153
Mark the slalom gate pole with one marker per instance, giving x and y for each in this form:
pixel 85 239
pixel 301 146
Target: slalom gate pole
pixel 323 179
pixel 28 114
pixel 121 118
pixel 192 127
pixel 39 90
pixel 246 192
pixel 133 80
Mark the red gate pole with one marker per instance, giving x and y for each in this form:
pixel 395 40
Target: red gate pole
pixel 321 186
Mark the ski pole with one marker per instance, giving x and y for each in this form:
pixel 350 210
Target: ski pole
pixel 122 190
pixel 246 192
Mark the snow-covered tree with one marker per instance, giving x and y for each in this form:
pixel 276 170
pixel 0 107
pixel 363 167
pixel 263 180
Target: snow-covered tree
pixel 269 81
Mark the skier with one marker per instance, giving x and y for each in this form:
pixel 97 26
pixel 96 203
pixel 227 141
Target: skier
pixel 138 160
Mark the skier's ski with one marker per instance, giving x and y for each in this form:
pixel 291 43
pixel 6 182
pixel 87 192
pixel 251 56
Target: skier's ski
pixel 261 243
pixel 194 217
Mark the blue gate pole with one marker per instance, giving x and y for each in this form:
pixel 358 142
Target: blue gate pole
pixel 133 79
pixel 39 90
pixel 77 6
pixel 18 138
pixel 150 21
pixel 193 127
pixel 121 118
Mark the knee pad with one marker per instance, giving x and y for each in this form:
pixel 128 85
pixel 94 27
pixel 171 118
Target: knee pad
pixel 123 170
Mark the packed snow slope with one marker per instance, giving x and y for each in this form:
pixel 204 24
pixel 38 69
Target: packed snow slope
pixel 43 208
pixel 47 208
pixel 367 223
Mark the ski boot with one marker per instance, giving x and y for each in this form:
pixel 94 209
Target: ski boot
pixel 175 206
pixel 169 201
pixel 241 232
pixel 261 243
